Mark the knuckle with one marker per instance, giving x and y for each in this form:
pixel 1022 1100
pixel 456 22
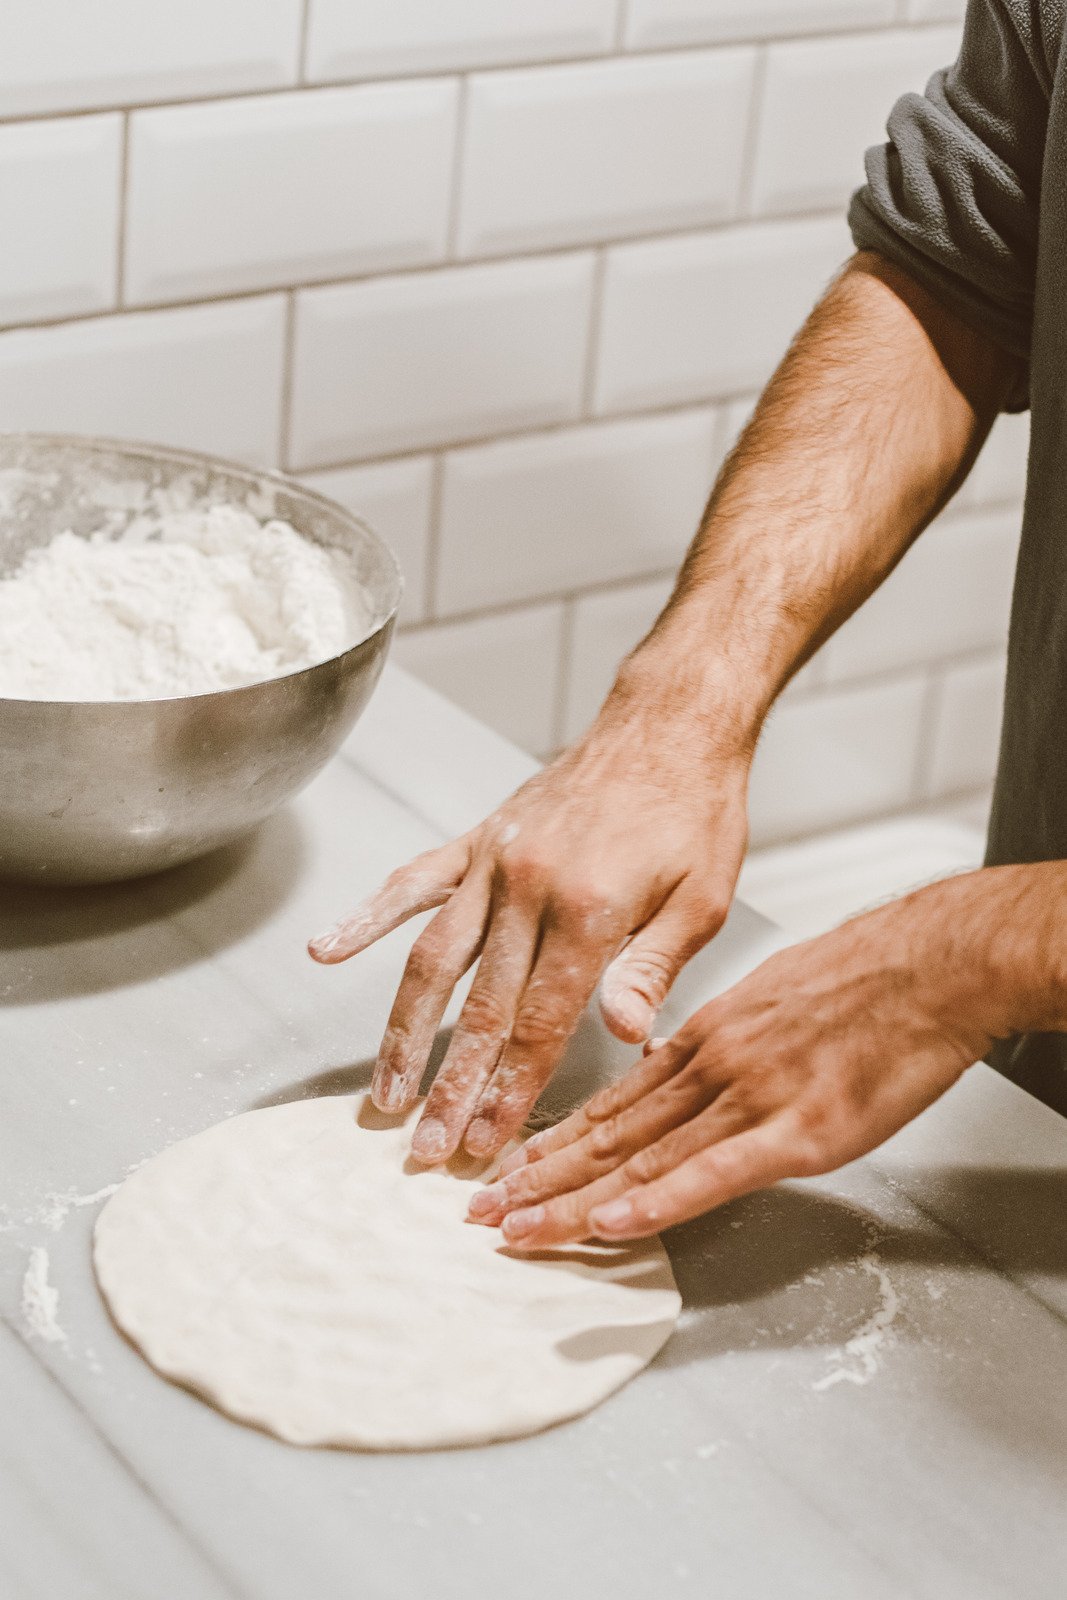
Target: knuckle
pixel 645 1165
pixel 483 1014
pixel 604 1139
pixel 524 871
pixel 607 1102
pixel 587 903
pixel 425 959
pixel 539 1025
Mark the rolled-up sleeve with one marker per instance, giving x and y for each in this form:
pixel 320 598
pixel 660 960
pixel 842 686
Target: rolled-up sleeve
pixel 954 196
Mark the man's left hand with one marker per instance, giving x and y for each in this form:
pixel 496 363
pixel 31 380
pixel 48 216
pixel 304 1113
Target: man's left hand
pixel 813 1059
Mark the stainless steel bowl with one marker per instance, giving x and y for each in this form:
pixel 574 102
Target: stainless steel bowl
pixel 92 791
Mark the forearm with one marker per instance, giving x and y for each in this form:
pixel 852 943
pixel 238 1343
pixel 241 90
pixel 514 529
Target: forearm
pixel 869 425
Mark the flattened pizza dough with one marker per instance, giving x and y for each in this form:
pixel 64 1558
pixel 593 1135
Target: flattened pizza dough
pixel 296 1270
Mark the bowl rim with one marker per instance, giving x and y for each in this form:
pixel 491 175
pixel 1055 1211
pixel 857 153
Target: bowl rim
pixel 200 459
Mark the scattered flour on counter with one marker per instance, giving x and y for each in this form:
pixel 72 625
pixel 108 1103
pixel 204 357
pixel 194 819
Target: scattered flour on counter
pixel 182 602
pixel 861 1356
pixel 53 1213
pixel 40 1300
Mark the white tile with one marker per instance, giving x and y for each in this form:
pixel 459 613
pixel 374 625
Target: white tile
pixel 965 736
pixel 503 669
pixel 951 594
pixel 998 477
pixel 365 39
pixel 825 101
pixel 59 217
pixel 205 377
pixel 559 511
pixel 709 314
pixel 653 24
pixel 564 155
pixel 64 57
pixel 605 628
pixel 836 757
pixel 396 364
pixel 935 10
pixel 289 188
pixel 395 498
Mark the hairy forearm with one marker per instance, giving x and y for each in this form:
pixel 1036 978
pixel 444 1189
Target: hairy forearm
pixel 866 430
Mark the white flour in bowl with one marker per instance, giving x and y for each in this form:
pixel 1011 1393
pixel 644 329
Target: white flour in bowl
pixel 182 603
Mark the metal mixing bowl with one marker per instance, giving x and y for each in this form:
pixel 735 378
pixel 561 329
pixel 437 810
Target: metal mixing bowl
pixel 92 791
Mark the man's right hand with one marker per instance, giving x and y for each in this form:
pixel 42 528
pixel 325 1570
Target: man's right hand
pixel 619 859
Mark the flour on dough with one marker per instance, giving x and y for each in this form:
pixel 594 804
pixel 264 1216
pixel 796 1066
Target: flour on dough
pixel 291 1266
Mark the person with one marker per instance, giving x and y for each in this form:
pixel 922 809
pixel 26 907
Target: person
pixel 619 860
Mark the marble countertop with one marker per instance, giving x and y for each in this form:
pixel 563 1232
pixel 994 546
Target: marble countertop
pixel 866 1397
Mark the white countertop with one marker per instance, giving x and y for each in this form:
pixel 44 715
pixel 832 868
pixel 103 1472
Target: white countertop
pixel 760 1456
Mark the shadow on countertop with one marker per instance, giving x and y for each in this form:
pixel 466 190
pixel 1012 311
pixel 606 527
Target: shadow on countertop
pixel 56 942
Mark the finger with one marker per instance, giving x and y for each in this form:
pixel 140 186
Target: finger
pixel 651 1045
pixel 424 883
pixel 569 1217
pixel 637 982
pixel 480 1033
pixel 653 1070
pixel 604 1148
pixel 554 998
pixel 752 1160
pixel 438 959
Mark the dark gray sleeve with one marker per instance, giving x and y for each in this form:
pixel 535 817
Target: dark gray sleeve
pixel 954 196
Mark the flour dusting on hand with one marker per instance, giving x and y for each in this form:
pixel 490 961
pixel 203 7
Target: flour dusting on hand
pixel 183 602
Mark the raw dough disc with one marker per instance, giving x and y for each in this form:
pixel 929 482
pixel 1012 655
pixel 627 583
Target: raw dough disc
pixel 287 1267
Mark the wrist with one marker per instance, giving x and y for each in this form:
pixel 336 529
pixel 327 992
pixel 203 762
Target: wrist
pixel 678 680
pixel 999 938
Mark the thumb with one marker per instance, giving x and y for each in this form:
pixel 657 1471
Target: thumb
pixel 637 982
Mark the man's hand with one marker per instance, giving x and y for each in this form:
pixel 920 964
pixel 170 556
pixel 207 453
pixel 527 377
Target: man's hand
pixel 813 1059
pixel 621 855
pixel 624 853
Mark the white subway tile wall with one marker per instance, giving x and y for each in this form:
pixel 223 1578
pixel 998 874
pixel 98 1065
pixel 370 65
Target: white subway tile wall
pixel 400 363
pixel 60 185
pixel 504 280
pixel 657 24
pixel 359 182
pixel 62 57
pixel 565 510
pixel 504 668
pixel 395 498
pixel 834 92
pixel 563 155
pixel 366 39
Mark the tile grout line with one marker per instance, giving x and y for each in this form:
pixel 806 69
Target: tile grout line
pixel 591 365
pixel 302 43
pixel 923 764
pixel 750 153
pixel 432 572
pixel 434 268
pixel 124 200
pixel 564 668
pixel 871 31
pixel 285 403
pixel 456 173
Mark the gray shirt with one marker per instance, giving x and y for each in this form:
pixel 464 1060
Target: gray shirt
pixel 970 196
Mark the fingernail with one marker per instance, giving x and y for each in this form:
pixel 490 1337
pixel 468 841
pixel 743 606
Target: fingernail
pixel 429 1140
pixel 388 1092
pixel 520 1223
pixel 631 1011
pixel 480 1137
pixel 612 1217
pixel 488 1201
pixel 654 1044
